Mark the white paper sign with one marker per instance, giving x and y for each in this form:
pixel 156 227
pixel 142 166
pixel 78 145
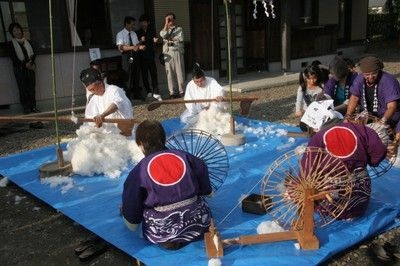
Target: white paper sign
pixel 94 53
pixel 319 112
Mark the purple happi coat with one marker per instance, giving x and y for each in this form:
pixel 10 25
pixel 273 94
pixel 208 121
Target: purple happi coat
pixel 356 145
pixel 163 192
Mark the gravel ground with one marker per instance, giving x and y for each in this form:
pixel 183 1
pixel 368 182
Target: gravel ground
pixel 33 233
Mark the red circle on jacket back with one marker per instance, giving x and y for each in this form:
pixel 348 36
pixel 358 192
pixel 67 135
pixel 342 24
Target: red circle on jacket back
pixel 341 142
pixel 166 169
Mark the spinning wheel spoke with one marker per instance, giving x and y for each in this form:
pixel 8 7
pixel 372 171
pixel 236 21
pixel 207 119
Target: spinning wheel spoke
pixel 206 147
pixel 293 173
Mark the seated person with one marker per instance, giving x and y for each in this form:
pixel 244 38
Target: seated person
pixel 163 191
pixel 338 86
pixel 201 87
pixel 356 145
pixel 376 92
pixel 106 101
pixel 310 89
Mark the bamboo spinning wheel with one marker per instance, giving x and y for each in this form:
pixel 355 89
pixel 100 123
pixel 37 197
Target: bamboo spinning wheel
pixel 206 147
pixel 302 189
pixel 387 134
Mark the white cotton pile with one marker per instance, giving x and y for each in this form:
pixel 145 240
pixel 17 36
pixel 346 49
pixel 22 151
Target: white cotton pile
pixel 4 182
pixel 65 182
pixel 262 132
pixel 214 262
pixel 213 121
pixel 269 227
pixel 95 152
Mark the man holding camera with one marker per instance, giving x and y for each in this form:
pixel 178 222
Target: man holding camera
pixel 173 49
pixel 128 44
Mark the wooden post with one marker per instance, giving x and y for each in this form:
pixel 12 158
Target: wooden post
pixel 285 38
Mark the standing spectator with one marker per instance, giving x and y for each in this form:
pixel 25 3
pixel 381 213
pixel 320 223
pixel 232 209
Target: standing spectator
pixel 164 191
pixel 376 92
pixel 173 49
pixel 147 37
pixel 338 86
pixel 128 44
pixel 23 57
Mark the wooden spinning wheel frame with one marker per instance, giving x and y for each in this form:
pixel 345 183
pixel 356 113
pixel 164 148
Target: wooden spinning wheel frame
pixel 302 189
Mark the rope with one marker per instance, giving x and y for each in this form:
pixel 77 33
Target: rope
pixel 234 208
pixel 74 61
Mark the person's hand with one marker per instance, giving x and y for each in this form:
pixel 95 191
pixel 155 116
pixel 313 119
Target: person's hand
pixel 155 40
pixel 219 98
pixel 142 47
pixel 98 120
pixel 298 114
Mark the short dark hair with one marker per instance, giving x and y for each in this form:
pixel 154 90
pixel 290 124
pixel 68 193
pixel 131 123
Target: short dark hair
pixel 171 14
pixel 128 19
pixel 197 71
pixel 14 25
pixel 151 135
pixel 339 68
pixel 144 17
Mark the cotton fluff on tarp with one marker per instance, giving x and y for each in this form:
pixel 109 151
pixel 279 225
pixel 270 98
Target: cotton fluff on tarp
pixel 94 152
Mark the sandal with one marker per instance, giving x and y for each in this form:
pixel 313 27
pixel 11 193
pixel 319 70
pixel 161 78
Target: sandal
pixel 85 244
pixel 93 251
pixel 379 252
pixel 393 250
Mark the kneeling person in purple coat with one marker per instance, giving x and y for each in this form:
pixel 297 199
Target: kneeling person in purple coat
pixel 163 191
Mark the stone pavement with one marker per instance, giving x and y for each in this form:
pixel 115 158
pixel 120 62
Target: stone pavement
pixel 260 80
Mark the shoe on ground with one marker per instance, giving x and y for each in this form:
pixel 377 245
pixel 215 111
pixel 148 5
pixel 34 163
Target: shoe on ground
pixel 93 251
pixel 379 253
pixel 149 95
pixel 392 250
pixel 157 96
pixel 35 110
pixel 181 95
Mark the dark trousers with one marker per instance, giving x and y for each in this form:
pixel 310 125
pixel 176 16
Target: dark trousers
pixel 133 90
pixel 148 65
pixel 26 85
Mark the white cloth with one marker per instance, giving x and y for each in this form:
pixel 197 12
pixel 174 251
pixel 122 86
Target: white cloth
pixel 18 49
pixel 211 90
pixel 99 103
pixel 123 38
pixel 318 113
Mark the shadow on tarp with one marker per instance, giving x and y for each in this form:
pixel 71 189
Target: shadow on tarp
pixel 94 203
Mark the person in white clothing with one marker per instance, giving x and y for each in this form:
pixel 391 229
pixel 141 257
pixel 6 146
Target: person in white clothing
pixel 129 46
pixel 106 101
pixel 201 87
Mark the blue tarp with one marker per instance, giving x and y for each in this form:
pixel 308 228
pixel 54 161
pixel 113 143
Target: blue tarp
pixel 94 203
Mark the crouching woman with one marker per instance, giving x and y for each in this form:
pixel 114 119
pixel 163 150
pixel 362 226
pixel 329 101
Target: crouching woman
pixel 163 191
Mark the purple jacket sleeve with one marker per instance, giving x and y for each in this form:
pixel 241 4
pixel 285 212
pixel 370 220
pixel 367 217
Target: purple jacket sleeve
pixel 329 87
pixel 201 171
pixel 376 149
pixel 357 86
pixel 133 197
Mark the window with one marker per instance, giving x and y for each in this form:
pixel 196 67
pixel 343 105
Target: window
pixel 92 23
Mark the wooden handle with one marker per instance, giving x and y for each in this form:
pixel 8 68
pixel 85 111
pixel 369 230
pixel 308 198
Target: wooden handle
pixel 156 104
pixel 65 119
